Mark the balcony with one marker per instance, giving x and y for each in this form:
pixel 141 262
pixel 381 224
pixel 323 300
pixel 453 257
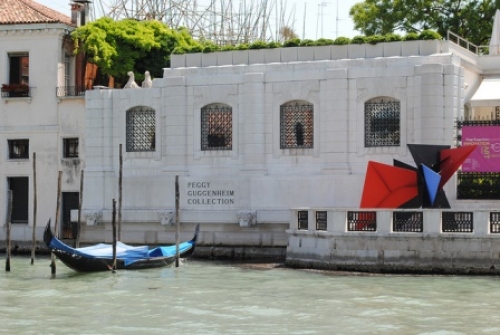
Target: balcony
pixel 70 91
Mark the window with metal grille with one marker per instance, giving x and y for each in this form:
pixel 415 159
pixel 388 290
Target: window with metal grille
pixel 141 129
pixel 217 127
pixel 303 219
pixel 408 221
pixel 321 220
pixel 457 222
pixel 495 222
pixel 70 148
pixel 296 125
pixel 361 221
pixel 382 122
pixel 19 149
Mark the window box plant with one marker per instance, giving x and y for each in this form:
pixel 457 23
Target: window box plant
pixel 15 90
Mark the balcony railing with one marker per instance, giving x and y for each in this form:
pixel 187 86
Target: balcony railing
pixel 71 91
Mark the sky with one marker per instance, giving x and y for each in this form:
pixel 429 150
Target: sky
pixel 321 16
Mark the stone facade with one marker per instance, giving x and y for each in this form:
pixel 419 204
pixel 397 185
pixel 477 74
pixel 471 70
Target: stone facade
pixel 242 196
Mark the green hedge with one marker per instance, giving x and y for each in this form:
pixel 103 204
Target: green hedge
pixel 297 42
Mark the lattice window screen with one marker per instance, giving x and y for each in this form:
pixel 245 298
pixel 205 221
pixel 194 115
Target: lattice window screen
pixel 216 127
pixel 141 129
pixel 296 125
pixel 382 123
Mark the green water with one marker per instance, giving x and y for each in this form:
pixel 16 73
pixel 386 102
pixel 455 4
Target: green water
pixel 222 298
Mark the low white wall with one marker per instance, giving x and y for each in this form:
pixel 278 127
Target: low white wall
pixel 383 250
pixel 314 53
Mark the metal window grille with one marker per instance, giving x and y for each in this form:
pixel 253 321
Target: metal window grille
pixel 19 149
pixel 382 124
pixel 478 185
pixel 321 220
pixel 70 148
pixel 141 129
pixel 457 222
pixel 361 221
pixel 408 221
pixel 217 127
pixel 296 125
pixel 303 219
pixel 495 222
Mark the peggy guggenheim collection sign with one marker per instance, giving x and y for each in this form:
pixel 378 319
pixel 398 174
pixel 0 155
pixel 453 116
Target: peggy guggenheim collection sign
pixel 209 193
pixel 486 157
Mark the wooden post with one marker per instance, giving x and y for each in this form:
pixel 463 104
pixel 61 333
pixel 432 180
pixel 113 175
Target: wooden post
pixel 33 247
pixel 56 226
pixel 120 182
pixel 80 200
pixel 177 223
pixel 114 235
pixel 7 244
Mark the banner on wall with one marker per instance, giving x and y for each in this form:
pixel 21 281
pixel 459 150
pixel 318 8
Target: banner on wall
pixel 486 157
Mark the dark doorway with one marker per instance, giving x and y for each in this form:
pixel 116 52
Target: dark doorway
pixel 20 198
pixel 70 201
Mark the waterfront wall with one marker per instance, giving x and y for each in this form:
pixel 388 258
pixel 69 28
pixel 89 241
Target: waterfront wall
pixel 470 245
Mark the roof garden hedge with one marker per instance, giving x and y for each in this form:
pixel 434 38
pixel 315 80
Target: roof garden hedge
pixel 296 42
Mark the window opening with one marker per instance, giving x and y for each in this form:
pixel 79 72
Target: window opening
pixel 70 148
pixel 141 129
pixel 296 125
pixel 216 127
pixel 382 122
pixel 18 149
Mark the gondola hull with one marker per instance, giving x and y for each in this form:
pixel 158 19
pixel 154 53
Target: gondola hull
pixel 133 258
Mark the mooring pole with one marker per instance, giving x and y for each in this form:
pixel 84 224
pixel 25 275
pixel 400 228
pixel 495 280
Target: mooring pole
pixel 7 244
pixel 177 222
pixel 33 247
pixel 80 200
pixel 114 235
pixel 120 182
pixel 56 226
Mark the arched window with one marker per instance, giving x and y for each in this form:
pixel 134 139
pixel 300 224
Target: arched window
pixel 141 129
pixel 382 122
pixel 296 125
pixel 216 127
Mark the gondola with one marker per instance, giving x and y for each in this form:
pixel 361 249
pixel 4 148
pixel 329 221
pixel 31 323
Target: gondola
pixel 99 257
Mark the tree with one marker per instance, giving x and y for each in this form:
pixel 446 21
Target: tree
pixel 117 47
pixel 471 19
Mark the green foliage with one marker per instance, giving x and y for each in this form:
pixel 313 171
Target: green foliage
pixel 374 39
pixel 410 37
pixel 307 43
pixel 274 45
pixel 324 41
pixel 228 48
pixel 294 42
pixel 471 19
pixel 342 41
pixel 393 38
pixel 358 40
pixel 117 47
pixel 210 48
pixel 242 46
pixel 258 45
pixel 429 35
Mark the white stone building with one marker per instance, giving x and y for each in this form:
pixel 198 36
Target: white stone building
pixel 251 134
pixel 41 115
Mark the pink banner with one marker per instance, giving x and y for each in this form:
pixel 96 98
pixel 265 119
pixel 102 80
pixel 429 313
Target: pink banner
pixel 486 157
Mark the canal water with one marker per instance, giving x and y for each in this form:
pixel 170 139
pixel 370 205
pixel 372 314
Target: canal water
pixel 202 297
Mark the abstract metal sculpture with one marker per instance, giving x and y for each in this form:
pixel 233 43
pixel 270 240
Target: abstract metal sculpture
pixel 405 186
